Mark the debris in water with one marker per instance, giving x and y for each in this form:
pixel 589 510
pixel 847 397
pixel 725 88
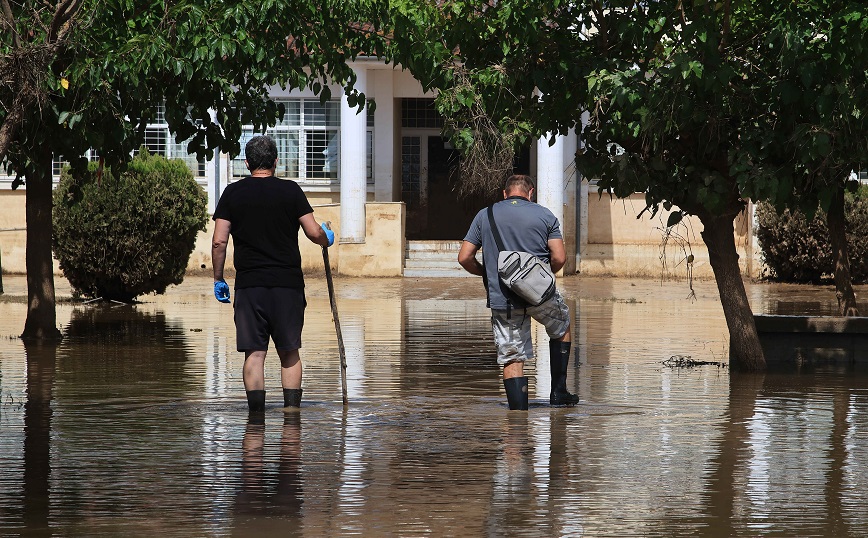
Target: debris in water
pixel 684 361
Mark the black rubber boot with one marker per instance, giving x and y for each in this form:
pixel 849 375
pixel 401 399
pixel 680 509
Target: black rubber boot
pixel 560 360
pixel 292 397
pixel 256 401
pixel 516 393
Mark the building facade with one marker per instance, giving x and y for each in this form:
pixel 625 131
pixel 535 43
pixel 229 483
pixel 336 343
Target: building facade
pixel 385 179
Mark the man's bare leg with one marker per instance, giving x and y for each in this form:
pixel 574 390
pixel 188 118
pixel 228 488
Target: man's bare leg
pixel 254 380
pixel 290 377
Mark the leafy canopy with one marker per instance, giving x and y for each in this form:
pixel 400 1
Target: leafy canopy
pixel 212 63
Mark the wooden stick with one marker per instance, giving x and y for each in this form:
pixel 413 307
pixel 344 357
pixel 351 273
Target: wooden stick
pixel 341 350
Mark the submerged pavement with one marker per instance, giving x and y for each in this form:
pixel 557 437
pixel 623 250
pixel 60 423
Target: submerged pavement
pixel 136 422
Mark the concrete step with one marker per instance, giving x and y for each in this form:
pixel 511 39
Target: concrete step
pixel 432 264
pixel 434 245
pixel 434 259
pixel 435 273
pixel 432 255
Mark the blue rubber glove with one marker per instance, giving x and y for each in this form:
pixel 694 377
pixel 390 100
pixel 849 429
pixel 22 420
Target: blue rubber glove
pixel 329 234
pixel 221 291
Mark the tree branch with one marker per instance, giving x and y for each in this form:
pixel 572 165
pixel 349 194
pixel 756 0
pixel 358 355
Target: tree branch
pixel 9 19
pixel 66 10
pixel 724 34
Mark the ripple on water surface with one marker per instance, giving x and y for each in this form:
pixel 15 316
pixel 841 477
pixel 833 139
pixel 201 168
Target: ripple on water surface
pixel 137 424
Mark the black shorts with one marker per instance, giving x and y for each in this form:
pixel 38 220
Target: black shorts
pixel 261 313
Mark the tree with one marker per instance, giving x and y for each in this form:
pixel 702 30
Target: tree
pixel 677 95
pixel 33 39
pixel 211 62
pixel 816 129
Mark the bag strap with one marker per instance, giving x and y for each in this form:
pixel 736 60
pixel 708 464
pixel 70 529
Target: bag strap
pixel 497 239
pixel 509 294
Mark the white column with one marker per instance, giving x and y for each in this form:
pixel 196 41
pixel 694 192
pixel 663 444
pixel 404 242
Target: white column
pixel 550 175
pixel 384 137
pixel 354 184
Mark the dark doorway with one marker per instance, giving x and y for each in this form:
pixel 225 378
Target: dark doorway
pixel 448 216
pixel 434 208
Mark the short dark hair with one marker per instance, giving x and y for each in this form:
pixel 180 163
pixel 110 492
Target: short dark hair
pixel 260 152
pixel 519 182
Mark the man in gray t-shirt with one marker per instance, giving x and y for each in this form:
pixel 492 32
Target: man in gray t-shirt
pixel 528 227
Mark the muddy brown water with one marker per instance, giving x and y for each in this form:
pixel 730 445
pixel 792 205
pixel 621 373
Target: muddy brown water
pixel 135 425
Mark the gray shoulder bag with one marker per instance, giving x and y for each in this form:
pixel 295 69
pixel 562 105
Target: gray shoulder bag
pixel 526 275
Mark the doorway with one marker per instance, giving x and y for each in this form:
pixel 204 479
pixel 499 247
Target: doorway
pixel 430 175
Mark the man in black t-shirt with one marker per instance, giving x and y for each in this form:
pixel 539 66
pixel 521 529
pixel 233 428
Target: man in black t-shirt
pixel 263 215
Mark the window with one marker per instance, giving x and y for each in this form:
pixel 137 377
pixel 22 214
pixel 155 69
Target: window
pixel 420 113
pixel 308 142
pixel 57 166
pixel 159 141
pixel 307 139
pixel 411 151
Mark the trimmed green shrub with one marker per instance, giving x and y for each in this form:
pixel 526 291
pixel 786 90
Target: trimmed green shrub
pixel 126 235
pixel 795 250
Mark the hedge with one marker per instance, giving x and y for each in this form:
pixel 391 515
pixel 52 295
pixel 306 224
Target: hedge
pixel 119 236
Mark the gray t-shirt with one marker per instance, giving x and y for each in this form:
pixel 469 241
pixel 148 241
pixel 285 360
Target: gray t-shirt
pixel 523 226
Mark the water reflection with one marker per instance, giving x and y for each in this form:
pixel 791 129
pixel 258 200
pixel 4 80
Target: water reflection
pixel 136 425
pixel 270 490
pixel 788 458
pixel 123 352
pixel 41 365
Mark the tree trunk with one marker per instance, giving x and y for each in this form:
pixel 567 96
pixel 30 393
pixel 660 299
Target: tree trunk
pixel 41 320
pixel 837 234
pixel 745 352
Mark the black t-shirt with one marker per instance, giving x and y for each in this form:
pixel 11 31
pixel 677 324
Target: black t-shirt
pixel 263 213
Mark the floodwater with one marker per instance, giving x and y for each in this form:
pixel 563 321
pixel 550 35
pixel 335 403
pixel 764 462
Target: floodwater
pixel 136 423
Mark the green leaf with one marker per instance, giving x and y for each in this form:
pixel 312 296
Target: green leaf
pixel 822 144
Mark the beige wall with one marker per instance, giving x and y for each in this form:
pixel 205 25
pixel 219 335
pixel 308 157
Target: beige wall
pixel 382 253
pixel 619 243
pixel 13 238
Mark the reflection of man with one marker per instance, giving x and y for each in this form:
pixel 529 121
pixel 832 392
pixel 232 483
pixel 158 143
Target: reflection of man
pixel 528 227
pixel 513 499
pixel 263 215
pixel 262 496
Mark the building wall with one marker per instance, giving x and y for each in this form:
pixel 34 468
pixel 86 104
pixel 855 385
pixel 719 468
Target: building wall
pixel 382 253
pixel 620 243
pixel 617 242
pixel 602 236
pixel 12 235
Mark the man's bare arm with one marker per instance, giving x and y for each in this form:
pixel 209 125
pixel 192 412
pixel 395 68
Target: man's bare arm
pixel 557 253
pixel 467 259
pixel 313 230
pixel 219 241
